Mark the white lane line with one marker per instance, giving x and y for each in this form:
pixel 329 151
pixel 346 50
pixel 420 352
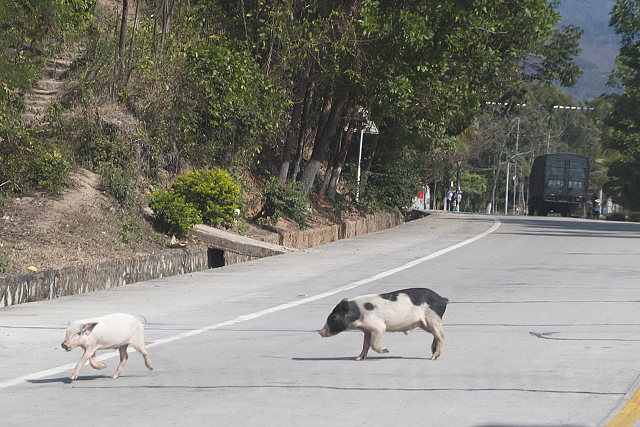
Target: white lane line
pixel 257 314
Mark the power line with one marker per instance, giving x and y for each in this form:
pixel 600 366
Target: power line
pixel 555 107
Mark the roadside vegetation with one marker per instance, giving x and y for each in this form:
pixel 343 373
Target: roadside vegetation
pixel 432 92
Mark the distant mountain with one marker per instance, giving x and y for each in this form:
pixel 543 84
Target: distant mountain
pixel 600 45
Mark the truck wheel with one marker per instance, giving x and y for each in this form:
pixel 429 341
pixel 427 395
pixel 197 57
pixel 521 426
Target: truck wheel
pixel 541 210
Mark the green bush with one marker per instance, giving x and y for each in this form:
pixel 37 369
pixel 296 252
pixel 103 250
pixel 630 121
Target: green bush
pixel 130 231
pixel 5 256
pixel 213 193
pixel 616 216
pixel 27 163
pixel 634 217
pixel 118 182
pixel 172 212
pixel 209 197
pixel 51 169
pixel 284 199
pixel 394 187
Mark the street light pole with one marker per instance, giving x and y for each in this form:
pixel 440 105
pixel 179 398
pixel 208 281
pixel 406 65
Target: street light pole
pixel 365 127
pixel 359 159
pixel 506 191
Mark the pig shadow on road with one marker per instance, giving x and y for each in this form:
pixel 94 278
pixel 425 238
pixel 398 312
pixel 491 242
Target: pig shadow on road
pixel 370 359
pixel 67 380
pixel 530 425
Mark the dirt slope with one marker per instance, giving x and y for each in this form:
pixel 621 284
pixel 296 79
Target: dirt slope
pixel 80 226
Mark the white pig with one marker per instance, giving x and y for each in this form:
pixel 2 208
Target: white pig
pixel 116 330
pixel 399 311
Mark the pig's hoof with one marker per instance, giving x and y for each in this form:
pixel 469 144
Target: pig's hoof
pixel 114 376
pixel 382 350
pixel 100 366
pixel 360 358
pixel 73 377
pixel 147 362
pixel 435 356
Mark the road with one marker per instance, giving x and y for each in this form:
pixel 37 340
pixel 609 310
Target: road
pixel 543 329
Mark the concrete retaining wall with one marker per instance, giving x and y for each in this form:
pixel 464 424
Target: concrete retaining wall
pixel 219 248
pixel 319 236
pixel 76 280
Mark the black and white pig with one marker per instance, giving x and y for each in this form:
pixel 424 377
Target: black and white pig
pixel 399 311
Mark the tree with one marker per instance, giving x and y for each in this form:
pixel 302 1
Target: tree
pixel 625 115
pixel 430 65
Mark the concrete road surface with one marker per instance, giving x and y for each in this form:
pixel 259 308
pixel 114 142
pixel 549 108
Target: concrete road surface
pixel 543 329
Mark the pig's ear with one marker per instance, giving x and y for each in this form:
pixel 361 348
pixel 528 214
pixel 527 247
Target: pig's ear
pixel 87 328
pixel 344 305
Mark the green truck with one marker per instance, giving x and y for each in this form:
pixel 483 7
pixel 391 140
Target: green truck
pixel 558 183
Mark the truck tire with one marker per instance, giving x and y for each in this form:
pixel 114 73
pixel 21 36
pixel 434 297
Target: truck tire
pixel 542 211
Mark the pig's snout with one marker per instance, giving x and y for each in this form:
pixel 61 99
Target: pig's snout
pixel 324 333
pixel 65 346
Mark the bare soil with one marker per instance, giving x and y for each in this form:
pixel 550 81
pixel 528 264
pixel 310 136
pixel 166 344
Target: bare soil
pixel 82 226
pixel 79 226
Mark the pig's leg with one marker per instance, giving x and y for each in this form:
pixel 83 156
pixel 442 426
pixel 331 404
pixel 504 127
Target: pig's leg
pixel 142 349
pixel 438 339
pixel 95 364
pixel 123 359
pixel 376 336
pixel 365 345
pixel 435 329
pixel 88 353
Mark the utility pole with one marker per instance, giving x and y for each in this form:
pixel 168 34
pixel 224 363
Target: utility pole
pixel 555 107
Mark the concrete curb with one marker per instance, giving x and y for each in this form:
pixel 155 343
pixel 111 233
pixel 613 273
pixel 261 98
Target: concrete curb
pixel 219 249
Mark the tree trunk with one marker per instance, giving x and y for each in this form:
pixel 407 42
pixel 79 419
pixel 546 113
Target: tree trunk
pixel 368 163
pixel 334 153
pixel 134 31
pixel 308 96
pixel 495 183
pixel 324 116
pixel 321 143
pixel 123 34
pixel 339 162
pixel 296 114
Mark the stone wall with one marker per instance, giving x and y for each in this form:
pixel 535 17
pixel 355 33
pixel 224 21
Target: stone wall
pixel 76 280
pixel 219 248
pixel 319 236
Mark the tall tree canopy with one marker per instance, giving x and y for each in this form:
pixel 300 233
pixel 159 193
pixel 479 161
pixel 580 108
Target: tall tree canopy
pixel 625 115
pixel 227 82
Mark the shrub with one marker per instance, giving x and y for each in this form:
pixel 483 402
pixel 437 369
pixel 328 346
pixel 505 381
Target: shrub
pixel 130 231
pixel 634 217
pixel 616 216
pixel 172 212
pixel 114 161
pixel 213 193
pixel 209 197
pixel 5 256
pixel 394 187
pixel 117 182
pixel 284 199
pixel 51 169
pixel 27 163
